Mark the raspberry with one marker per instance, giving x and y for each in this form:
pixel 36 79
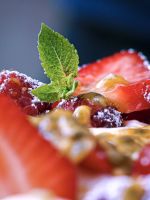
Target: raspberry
pixel 18 86
pixel 102 115
pixel 107 117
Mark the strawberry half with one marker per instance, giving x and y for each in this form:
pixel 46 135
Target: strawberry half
pixel 131 65
pixel 130 98
pixel 27 161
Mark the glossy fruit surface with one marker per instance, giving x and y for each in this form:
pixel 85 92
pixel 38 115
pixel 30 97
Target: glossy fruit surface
pixel 18 86
pixel 130 98
pixel 127 97
pixel 131 65
pixel 27 161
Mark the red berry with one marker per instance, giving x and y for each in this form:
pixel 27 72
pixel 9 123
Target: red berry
pixel 102 115
pixel 18 86
pixel 107 117
pixel 130 98
pixel 131 65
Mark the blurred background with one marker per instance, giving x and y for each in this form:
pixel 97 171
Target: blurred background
pixel 97 28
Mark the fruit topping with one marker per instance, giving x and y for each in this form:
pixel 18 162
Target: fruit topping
pixel 122 145
pixel 97 109
pixel 83 115
pixel 27 161
pixel 18 86
pixel 110 81
pixel 130 98
pixel 107 117
pixel 93 100
pixel 73 139
pixel 132 66
pixel 123 78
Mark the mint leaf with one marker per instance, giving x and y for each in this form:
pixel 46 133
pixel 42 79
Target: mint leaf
pixel 60 61
pixel 47 92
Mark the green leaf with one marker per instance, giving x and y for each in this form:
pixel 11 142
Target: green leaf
pixel 60 61
pixel 47 92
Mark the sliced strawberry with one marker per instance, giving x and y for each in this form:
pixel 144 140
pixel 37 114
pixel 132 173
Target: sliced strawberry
pixel 28 161
pixel 142 164
pixel 97 161
pixel 131 65
pixel 130 98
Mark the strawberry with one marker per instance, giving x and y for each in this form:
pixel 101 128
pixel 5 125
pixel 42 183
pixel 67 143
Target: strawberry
pixel 130 98
pixel 132 95
pixel 27 161
pixel 131 65
pixel 97 161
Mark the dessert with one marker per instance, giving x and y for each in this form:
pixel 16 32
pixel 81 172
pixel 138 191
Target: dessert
pixel 83 136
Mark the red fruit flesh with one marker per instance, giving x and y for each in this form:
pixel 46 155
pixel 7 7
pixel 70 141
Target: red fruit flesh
pixel 131 65
pixel 130 98
pixel 28 161
pixel 18 86
pixel 97 161
pixel 142 164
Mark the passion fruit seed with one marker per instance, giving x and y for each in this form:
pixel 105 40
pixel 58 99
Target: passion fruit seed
pixel 95 99
pixel 102 112
pixel 82 114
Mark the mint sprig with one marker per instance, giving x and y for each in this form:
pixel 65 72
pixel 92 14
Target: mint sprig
pixel 59 60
